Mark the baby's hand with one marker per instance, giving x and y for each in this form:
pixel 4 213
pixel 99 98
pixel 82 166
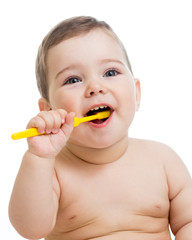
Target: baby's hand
pixel 57 126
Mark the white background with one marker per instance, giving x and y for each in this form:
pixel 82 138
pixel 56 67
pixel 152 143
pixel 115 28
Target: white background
pixel 158 39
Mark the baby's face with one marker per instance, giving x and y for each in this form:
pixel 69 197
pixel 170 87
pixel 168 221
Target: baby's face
pixel 87 72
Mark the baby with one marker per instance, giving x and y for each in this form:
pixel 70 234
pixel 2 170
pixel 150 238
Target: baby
pixel 94 181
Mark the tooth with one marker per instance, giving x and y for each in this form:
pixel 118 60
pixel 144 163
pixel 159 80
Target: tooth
pixel 100 107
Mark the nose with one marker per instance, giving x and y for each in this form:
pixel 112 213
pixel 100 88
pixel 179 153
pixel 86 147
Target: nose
pixel 95 88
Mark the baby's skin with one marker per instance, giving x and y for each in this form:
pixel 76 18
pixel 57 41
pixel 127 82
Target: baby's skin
pixel 131 198
pixel 94 182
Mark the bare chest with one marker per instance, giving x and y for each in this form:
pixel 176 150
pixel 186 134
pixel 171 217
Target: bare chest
pixel 116 197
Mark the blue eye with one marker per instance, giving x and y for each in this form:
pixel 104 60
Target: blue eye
pixel 72 80
pixel 111 73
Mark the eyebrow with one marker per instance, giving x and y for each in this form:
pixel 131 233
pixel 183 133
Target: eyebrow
pixel 111 60
pixel 66 69
pixel 73 66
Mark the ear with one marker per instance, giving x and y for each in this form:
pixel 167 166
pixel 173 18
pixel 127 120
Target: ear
pixel 138 93
pixel 44 105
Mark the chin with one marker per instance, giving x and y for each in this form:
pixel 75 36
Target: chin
pixel 96 143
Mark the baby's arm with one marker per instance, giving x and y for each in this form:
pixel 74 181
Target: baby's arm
pixel 180 195
pixel 34 201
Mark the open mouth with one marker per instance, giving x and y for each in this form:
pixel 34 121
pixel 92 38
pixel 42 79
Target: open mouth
pixel 97 109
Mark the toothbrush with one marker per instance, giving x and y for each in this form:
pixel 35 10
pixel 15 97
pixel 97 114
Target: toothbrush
pixel 34 132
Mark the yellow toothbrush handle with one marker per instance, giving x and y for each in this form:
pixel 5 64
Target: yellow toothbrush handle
pixel 26 134
pixel 34 132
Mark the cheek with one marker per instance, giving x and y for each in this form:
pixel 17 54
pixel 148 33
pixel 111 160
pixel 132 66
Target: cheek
pixel 127 94
pixel 61 100
pixel 127 102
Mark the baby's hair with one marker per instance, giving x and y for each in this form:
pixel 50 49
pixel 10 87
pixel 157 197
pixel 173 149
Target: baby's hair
pixel 64 30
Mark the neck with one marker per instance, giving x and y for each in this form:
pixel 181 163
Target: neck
pixel 98 155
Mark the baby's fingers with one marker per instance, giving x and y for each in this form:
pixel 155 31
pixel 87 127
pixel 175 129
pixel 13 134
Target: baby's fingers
pixel 67 127
pixel 37 122
pixel 48 121
pixel 54 120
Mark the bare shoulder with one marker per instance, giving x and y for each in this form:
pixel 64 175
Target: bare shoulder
pixel 176 172
pixel 163 152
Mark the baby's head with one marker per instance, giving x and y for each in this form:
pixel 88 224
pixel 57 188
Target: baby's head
pixel 82 67
pixel 67 29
